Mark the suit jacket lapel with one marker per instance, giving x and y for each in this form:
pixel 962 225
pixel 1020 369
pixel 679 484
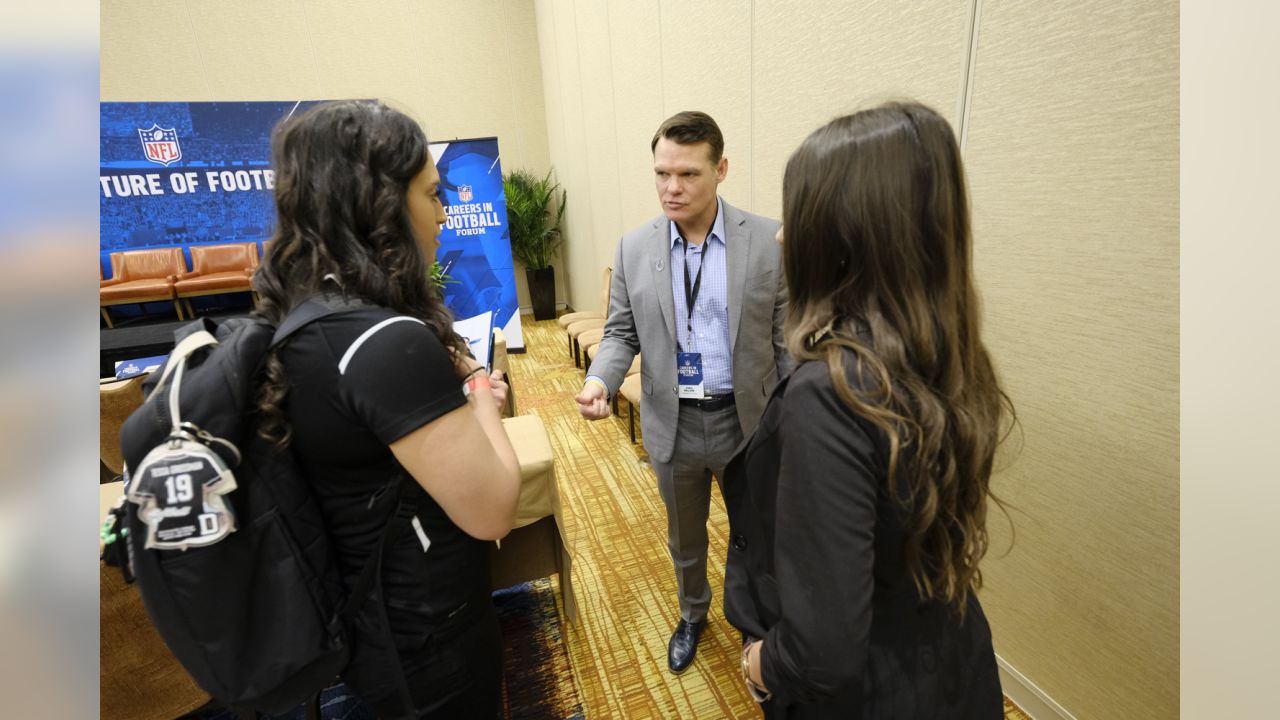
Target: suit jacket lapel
pixel 737 247
pixel 660 262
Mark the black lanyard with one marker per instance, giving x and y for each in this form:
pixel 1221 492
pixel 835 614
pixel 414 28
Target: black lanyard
pixel 691 293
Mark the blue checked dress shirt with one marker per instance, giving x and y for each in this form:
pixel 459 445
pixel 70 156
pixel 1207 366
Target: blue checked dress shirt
pixel 710 322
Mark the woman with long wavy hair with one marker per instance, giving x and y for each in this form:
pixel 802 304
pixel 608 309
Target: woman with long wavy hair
pixel 373 395
pixel 858 508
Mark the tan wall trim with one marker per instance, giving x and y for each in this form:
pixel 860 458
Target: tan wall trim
pixel 1032 700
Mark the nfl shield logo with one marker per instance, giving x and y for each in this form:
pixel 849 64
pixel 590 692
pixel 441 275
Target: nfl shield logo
pixel 160 145
pixel 464 193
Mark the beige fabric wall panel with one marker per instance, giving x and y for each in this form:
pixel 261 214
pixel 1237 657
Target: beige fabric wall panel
pixel 815 61
pixel 1072 157
pixel 569 154
pixel 362 55
pixel 706 50
pixel 527 119
pixel 600 138
pixel 253 50
pixel 638 65
pixel 139 62
pixel 553 111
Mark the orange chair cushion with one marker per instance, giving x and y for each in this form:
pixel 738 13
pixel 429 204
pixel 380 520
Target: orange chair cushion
pixel 229 281
pixel 211 259
pixel 147 264
pixel 132 290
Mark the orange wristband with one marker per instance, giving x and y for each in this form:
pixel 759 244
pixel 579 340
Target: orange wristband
pixel 477 381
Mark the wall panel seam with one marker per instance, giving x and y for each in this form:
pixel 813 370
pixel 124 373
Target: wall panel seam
pixel 195 36
pixel 613 94
pixel 751 105
pixel 586 168
pixel 662 71
pixel 311 44
pixel 511 83
pixel 967 71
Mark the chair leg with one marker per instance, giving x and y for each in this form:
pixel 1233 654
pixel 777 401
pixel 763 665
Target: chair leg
pixel 106 316
pixel 177 306
pixel 566 334
pixel 191 312
pixel 577 354
pixel 631 421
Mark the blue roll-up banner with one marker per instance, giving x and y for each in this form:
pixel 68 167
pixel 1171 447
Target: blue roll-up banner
pixel 182 174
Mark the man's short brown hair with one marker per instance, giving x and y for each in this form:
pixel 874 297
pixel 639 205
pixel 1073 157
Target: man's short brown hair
pixel 691 127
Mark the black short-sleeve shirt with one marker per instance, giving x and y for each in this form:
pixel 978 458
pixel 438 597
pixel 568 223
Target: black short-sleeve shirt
pixel 358 381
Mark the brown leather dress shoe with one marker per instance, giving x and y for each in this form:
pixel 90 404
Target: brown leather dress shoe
pixel 683 645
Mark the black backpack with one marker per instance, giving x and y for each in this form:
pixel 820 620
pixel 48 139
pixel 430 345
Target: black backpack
pixel 225 537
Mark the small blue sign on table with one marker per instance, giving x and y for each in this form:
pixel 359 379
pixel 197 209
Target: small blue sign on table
pixel 126 369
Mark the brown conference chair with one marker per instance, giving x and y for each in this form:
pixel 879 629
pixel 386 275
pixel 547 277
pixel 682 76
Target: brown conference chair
pixel 632 390
pixel 116 402
pixel 586 338
pixel 218 269
pixel 139 678
pixel 577 322
pixel 589 353
pixel 141 276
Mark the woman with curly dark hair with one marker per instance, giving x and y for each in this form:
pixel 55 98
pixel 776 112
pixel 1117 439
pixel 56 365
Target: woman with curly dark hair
pixel 858 508
pixel 381 390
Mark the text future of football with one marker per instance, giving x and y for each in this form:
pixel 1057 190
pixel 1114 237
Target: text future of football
pixel 128 185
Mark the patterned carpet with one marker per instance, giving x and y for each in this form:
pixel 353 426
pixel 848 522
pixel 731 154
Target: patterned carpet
pixel 538 682
pixel 616 527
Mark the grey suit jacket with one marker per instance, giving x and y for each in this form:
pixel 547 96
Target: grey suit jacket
pixel 642 320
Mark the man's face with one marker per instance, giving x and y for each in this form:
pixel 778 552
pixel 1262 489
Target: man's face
pixel 686 180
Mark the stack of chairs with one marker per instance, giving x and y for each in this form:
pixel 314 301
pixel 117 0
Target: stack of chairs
pixel 590 323
pixel 585 331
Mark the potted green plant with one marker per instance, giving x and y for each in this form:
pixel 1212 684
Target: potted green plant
pixel 438 277
pixel 533 216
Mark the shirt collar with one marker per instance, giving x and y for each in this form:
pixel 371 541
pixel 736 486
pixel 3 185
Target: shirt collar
pixel 717 227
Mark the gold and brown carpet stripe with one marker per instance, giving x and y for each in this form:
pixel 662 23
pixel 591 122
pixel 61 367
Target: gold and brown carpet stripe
pixel 616 528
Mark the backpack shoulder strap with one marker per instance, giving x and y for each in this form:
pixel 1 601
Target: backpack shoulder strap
pixel 191 342
pixel 308 312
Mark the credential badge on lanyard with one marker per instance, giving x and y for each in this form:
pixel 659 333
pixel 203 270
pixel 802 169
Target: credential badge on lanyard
pixel 689 364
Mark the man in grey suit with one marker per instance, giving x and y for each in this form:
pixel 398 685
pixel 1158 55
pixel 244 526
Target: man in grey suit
pixel 699 292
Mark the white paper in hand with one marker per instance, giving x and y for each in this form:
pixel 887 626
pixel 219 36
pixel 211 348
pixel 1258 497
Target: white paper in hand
pixel 478 332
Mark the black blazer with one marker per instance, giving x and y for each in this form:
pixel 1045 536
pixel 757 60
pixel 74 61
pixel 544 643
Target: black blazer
pixel 816 568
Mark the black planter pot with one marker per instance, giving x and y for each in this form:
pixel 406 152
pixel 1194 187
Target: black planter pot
pixel 542 292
